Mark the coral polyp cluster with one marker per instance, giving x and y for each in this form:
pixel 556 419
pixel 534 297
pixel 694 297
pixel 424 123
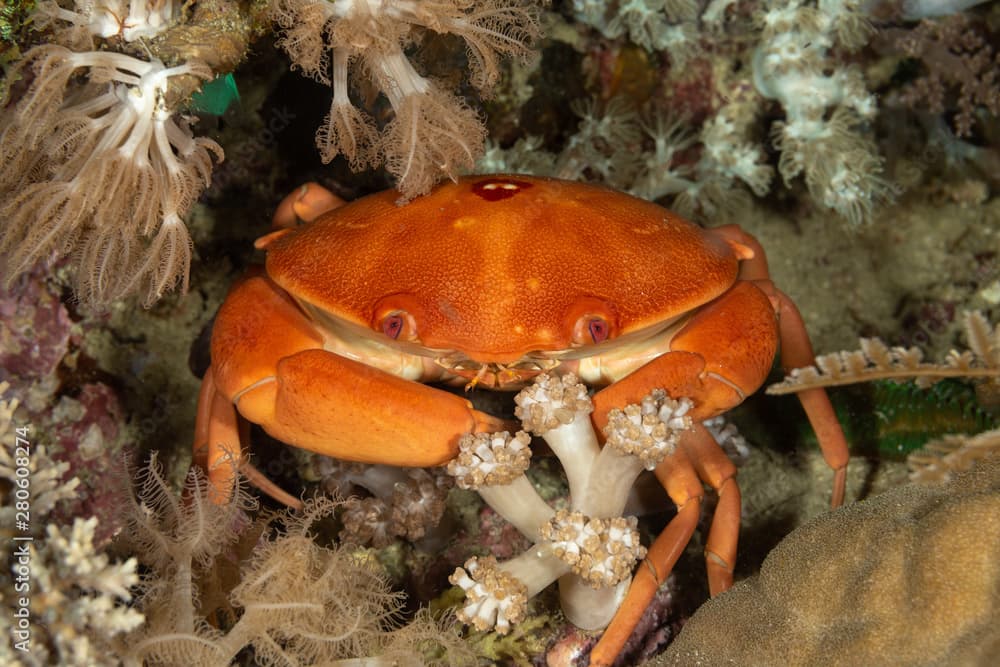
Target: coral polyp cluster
pixel 590 541
pixel 108 171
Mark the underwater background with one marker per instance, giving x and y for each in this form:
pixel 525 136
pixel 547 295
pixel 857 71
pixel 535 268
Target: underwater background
pixel 859 142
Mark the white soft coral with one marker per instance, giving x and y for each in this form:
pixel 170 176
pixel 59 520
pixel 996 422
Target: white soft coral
pixel 591 540
pixel 128 19
pixel 105 170
pixel 434 133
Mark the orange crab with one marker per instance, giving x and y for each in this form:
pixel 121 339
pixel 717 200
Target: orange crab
pixel 488 282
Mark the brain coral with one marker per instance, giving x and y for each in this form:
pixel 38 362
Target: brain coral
pixel 909 577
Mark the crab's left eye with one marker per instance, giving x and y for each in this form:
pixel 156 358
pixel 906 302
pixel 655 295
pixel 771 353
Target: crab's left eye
pixel 398 324
pixel 591 328
pixel 598 329
pixel 392 325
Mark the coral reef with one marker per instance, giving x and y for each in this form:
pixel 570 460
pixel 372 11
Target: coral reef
pixel 883 113
pixel 900 578
pixel 296 602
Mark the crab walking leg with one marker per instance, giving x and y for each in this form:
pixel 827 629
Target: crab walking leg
pixel 218 448
pixel 677 475
pixel 714 467
pixel 797 352
pixel 305 204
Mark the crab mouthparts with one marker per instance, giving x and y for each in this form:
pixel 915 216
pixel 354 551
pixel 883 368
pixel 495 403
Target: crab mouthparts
pixel 496 375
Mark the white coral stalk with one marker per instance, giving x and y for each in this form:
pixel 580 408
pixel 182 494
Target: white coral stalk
pixel 591 549
pixel 493 464
pixel 558 410
pixel 638 438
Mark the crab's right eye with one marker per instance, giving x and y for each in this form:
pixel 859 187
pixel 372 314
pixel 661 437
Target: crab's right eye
pixel 393 325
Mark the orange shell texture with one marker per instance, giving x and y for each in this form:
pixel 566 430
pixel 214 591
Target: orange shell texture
pixel 499 266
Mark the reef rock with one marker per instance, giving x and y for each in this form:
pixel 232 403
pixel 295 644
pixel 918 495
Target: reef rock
pixel 909 577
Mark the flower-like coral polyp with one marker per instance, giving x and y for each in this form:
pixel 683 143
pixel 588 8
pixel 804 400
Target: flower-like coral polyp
pixel 494 464
pixel 493 598
pixel 601 551
pixel 490 459
pixel 649 430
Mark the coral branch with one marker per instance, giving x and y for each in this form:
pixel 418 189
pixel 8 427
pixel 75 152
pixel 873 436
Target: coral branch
pixel 877 361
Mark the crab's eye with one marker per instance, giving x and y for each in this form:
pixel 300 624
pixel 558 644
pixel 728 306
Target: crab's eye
pixel 598 329
pixel 398 325
pixel 392 325
pixel 591 328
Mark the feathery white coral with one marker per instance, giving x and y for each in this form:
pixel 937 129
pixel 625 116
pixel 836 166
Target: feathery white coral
pixel 434 133
pixel 297 602
pixel 104 169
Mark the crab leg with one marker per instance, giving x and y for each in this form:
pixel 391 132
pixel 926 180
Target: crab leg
pixel 677 475
pixel 218 447
pixel 715 468
pixel 797 352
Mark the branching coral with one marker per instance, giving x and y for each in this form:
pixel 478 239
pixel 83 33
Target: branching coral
pixel 962 69
pixel 103 169
pixel 825 103
pixel 298 603
pixel 591 539
pixel 64 601
pixel 877 361
pixel 433 133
